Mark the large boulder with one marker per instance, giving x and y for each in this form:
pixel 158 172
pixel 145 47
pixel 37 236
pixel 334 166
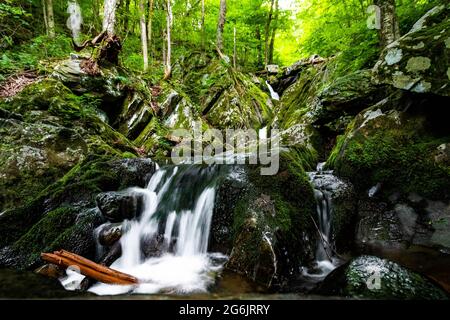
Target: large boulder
pixel 419 61
pixel 227 97
pixel 321 103
pixel 264 223
pixel 65 216
pixel 370 277
pixel 396 150
pixel 45 131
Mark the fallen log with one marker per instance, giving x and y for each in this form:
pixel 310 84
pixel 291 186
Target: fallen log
pixel 89 268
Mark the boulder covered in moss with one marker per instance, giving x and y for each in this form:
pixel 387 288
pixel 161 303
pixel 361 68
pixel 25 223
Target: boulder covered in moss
pixel 227 97
pixel 396 150
pixel 264 223
pixel 320 103
pixel 419 61
pixel 106 82
pixel 64 215
pixel 45 131
pixel 370 277
pixel 393 154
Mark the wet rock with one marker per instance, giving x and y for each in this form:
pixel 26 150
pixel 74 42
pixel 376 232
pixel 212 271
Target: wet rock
pixel 375 278
pixel 343 204
pixel 264 222
pixel 402 223
pixel 50 271
pixel 133 172
pixel 110 233
pixel 154 246
pixel 118 206
pixel 418 61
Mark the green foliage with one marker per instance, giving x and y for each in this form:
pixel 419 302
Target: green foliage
pixel 29 55
pixel 330 27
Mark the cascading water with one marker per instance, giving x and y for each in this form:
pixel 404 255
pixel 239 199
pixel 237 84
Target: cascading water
pixel 166 247
pixel 324 183
pixel 75 19
pixel 273 94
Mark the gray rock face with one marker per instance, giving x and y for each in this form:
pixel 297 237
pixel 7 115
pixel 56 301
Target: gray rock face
pixel 419 61
pixel 118 206
pixel 403 223
pixel 375 278
pixel 110 233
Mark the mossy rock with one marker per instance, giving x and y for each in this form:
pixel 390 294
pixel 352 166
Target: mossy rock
pixel 265 222
pixel 370 277
pixel 61 216
pixel 396 149
pixel 45 131
pixel 227 97
pixel 419 61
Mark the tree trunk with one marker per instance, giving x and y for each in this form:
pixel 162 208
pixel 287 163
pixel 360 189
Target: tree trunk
pixel 44 13
pixel 389 31
pixel 126 19
pixel 149 27
pixel 96 15
pixel 203 25
pixel 50 19
pixel 266 33
pixel 234 47
pixel 143 34
pixel 274 31
pixel 109 16
pixel 221 25
pixel 167 66
pixel 259 46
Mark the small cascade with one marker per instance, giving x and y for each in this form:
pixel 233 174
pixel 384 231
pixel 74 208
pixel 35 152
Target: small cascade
pixel 166 246
pixel 273 94
pixel 75 19
pixel 325 184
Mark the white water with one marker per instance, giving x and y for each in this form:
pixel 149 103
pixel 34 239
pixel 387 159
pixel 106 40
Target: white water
pixel 75 19
pixel 324 183
pixel 184 265
pixel 273 94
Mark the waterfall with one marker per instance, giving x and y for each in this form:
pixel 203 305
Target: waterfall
pixel 274 95
pixel 75 18
pixel 166 247
pixel 324 183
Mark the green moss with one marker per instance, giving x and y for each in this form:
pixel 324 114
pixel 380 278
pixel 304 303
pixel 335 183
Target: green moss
pixel 128 155
pixel 401 157
pixel 44 233
pixel 279 207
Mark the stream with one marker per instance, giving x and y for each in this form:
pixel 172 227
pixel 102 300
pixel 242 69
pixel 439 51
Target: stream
pixel 166 247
